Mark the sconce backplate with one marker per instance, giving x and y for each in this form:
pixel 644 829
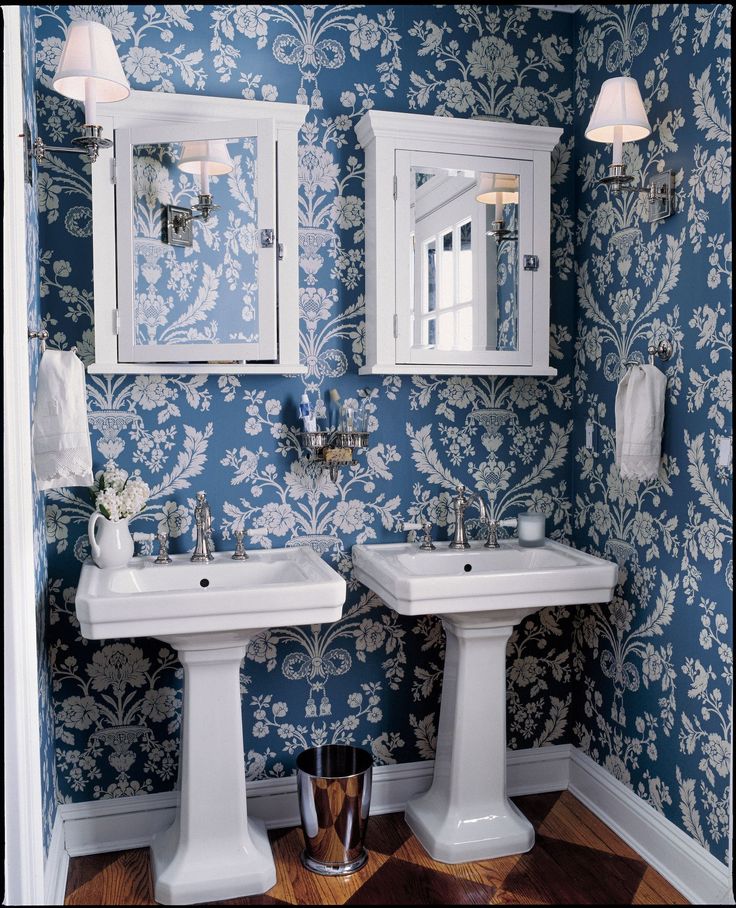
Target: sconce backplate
pixel 176 225
pixel 27 153
pixel 661 196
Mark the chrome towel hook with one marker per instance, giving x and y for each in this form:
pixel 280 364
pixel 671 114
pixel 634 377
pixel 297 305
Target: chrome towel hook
pixel 664 350
pixel 43 335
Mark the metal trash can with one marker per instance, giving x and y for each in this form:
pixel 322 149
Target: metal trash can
pixel 334 785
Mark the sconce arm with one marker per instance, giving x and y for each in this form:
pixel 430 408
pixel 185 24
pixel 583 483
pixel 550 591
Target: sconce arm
pixel 89 143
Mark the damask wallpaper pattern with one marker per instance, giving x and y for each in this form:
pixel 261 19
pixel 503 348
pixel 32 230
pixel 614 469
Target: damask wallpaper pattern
pixel 373 678
pixel 654 670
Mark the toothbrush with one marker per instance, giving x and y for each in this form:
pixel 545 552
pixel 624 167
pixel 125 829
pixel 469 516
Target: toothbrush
pixel 334 409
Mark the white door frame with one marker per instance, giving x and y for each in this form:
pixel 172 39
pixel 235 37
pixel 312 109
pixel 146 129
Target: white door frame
pixel 24 858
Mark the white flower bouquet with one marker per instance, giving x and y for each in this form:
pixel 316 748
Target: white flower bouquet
pixel 119 496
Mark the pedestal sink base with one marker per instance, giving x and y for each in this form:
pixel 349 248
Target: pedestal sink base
pixel 184 877
pixel 212 850
pixel 498 830
pixel 465 815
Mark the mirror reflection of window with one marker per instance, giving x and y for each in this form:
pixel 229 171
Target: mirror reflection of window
pixel 206 293
pixel 464 268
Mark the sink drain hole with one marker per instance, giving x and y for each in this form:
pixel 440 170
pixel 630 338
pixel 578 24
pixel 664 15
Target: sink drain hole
pixel 468 568
pixel 204 582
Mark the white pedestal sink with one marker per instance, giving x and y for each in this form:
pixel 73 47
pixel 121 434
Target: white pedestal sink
pixel 480 595
pixel 207 613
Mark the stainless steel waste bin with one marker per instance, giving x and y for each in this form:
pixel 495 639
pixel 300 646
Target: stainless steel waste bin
pixel 334 784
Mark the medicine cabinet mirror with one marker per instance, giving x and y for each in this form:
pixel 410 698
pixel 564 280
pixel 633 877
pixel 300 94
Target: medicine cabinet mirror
pixel 195 236
pixel 457 215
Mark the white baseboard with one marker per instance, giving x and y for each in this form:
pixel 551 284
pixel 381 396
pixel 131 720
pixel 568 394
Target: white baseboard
pixel 94 827
pixel 56 866
pixel 698 875
pixel 538 769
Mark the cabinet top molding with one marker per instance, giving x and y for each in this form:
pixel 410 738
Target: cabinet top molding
pixel 184 108
pixel 427 127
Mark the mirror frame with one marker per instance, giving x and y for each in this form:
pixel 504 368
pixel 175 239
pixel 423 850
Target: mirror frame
pixel 383 134
pixel 142 109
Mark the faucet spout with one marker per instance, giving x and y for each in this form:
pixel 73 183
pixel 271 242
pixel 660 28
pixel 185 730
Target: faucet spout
pixel 460 503
pixel 203 521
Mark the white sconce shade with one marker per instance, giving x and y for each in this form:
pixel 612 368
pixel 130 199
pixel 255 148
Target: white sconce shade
pixel 206 157
pixel 618 115
pixel 498 189
pixel 212 152
pixel 89 69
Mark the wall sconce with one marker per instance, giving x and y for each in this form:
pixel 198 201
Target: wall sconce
pixel 89 70
pixel 206 157
pixel 499 189
pixel 618 117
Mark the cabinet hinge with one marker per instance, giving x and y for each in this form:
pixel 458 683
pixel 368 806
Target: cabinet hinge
pixel 113 170
pixel 280 251
pixel 396 187
pixel 396 325
pixel 116 321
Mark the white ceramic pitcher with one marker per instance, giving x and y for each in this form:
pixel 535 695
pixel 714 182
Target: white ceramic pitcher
pixel 111 544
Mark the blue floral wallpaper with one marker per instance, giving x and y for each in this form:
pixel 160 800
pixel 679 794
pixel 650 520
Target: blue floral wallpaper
pixel 654 669
pixel 48 767
pixel 373 678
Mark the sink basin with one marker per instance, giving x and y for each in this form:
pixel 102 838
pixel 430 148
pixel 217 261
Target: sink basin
pixel 274 587
pixel 480 594
pixel 447 582
pixel 208 613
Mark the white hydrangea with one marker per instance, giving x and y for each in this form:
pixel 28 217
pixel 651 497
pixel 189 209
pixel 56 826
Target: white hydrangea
pixel 115 478
pixel 108 504
pixel 120 497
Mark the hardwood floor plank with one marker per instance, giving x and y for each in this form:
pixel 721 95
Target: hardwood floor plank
pixel 662 892
pixel 563 825
pixel 577 816
pixel 402 883
pixel 582 820
pixel 125 880
pixel 386 833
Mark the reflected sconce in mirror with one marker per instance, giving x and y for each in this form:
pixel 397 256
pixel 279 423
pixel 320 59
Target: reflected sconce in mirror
pixel 89 70
pixel 618 117
pixel 499 189
pixel 206 158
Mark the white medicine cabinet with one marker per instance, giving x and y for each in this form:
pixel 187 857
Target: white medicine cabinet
pixel 457 245
pixel 195 236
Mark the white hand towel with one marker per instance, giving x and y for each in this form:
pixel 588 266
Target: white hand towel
pixel 639 421
pixel 62 451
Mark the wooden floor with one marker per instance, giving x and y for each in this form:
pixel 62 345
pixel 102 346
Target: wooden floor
pixel 576 859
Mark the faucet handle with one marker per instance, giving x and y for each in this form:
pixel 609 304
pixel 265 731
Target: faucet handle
pixel 256 532
pixel 427 544
pixel 239 554
pixel 163 556
pixel 406 526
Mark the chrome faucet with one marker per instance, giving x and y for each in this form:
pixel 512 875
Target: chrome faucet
pixel 203 550
pixel 459 505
